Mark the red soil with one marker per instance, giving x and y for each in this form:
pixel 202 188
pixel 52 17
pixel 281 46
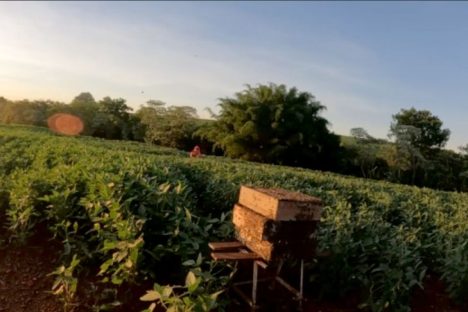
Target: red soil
pixel 25 286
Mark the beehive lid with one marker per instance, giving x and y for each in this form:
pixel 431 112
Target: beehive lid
pixel 279 204
pixel 285 195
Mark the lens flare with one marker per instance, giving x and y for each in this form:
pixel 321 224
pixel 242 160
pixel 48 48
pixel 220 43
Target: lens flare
pixel 66 124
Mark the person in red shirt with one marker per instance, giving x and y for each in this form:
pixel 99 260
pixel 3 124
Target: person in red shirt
pixel 195 152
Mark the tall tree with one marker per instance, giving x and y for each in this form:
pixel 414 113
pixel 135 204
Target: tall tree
pixel 361 134
pixel 275 124
pixel 364 152
pixel 464 173
pixel 464 149
pixel 409 156
pixel 85 106
pixel 113 119
pixel 419 137
pixel 171 126
pixel 27 112
pixel 430 133
pixel 84 98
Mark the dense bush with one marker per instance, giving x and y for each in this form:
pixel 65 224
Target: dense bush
pixel 137 211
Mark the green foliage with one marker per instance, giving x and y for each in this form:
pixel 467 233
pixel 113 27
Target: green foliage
pixel 199 293
pixel 171 126
pixel 112 119
pixel 29 112
pixel 120 211
pixel 362 135
pixel 418 158
pixel 274 124
pixel 85 106
pixel 430 133
pixel 402 161
pixel 364 153
pixel 66 284
pixel 109 118
pixel 140 212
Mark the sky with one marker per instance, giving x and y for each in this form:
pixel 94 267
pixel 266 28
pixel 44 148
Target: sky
pixel 363 60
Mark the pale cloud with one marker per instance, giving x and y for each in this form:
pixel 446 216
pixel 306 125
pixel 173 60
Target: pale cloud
pixel 61 41
pixel 56 50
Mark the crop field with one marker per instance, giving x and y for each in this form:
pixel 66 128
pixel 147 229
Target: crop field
pixel 134 214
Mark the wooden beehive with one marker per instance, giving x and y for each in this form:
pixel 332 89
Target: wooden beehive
pixel 278 250
pixel 276 223
pixel 261 228
pixel 281 205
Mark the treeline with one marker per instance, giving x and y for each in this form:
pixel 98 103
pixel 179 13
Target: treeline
pixel 108 118
pixel 272 124
pixel 403 161
pixel 112 118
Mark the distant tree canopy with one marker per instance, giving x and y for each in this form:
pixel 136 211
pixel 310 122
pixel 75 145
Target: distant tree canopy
pixel 464 149
pixel 171 126
pixel 275 124
pixel 363 153
pixel 113 119
pixel 83 99
pixel 85 106
pixel 108 118
pixel 418 137
pixel 362 135
pixel 27 112
pixel 420 128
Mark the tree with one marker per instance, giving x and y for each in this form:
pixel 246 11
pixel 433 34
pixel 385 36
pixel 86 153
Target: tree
pixel 364 153
pixel 171 126
pixel 464 149
pixel 27 112
pixel 464 172
pixel 83 99
pixel 3 103
pixel 408 154
pixel 419 137
pixel 85 106
pixel 271 123
pixel 430 133
pixel 361 134
pixel 113 119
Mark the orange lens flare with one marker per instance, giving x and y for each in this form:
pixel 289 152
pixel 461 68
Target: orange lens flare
pixel 65 124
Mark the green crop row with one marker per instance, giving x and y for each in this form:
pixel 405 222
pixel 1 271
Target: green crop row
pixel 137 211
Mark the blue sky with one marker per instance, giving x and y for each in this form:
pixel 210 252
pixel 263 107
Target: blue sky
pixel 363 60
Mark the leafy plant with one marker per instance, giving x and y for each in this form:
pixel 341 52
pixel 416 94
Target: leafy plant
pixel 139 213
pixel 199 293
pixel 66 284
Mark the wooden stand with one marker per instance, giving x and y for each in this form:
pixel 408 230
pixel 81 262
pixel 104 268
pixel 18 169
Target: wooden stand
pixel 236 251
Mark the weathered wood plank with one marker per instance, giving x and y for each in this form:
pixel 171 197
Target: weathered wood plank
pixel 219 246
pixel 281 205
pixel 262 228
pixel 234 256
pixel 304 249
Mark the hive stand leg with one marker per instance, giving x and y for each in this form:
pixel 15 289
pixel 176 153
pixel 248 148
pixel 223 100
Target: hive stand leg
pixel 301 286
pixel 254 285
pixel 276 273
pixel 280 266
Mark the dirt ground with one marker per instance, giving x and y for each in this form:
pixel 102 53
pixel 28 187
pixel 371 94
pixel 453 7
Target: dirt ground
pixel 25 287
pixel 432 299
pixel 24 284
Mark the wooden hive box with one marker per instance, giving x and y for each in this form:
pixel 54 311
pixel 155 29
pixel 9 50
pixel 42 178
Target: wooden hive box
pixel 260 228
pixel 281 205
pixel 269 251
pixel 275 223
